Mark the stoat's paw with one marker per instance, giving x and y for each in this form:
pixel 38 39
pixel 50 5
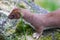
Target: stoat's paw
pixel 36 35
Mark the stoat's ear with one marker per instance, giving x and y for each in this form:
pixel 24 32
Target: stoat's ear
pixel 15 14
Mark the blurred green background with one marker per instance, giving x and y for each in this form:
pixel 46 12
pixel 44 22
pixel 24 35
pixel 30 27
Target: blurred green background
pixel 48 4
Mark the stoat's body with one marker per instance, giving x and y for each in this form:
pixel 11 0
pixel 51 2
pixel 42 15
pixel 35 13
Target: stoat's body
pixel 40 21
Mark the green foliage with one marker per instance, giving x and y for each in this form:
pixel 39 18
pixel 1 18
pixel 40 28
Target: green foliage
pixel 24 28
pixel 21 6
pixel 50 5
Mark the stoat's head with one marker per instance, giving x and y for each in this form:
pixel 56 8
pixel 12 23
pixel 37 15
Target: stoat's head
pixel 15 14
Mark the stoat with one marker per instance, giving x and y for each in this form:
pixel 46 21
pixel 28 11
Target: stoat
pixel 39 21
